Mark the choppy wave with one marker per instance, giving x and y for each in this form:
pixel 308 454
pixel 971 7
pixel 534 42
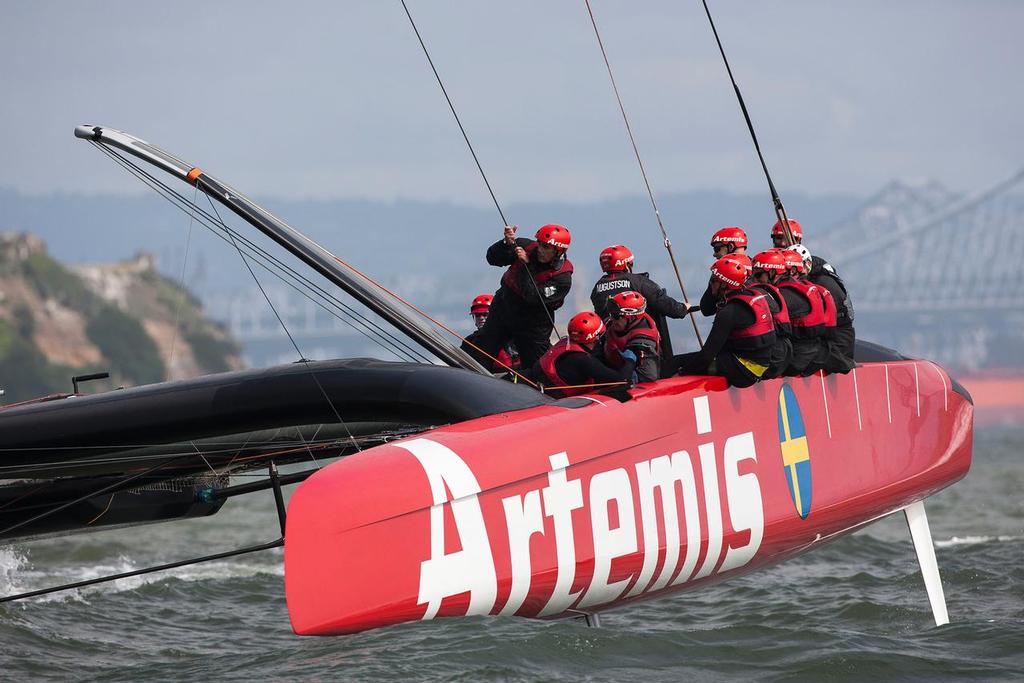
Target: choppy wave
pixel 974 540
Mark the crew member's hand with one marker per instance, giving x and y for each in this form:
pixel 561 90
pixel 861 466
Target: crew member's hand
pixel 692 308
pixel 521 254
pixel 510 234
pixel 628 354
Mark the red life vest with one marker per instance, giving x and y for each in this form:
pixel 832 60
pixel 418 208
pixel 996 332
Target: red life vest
pixel 761 334
pixel 831 312
pixel 512 278
pixel 507 361
pixel 548 365
pixel 615 343
pixel 815 323
pixel 782 322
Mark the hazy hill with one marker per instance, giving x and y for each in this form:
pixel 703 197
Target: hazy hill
pixel 57 321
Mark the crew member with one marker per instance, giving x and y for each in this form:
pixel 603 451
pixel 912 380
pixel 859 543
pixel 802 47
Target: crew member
pixel 508 357
pixel 779 238
pixel 821 272
pixel 728 240
pixel 617 264
pixel 631 330
pixel 743 345
pixel 534 286
pixel 812 314
pixel 771 268
pixel 571 362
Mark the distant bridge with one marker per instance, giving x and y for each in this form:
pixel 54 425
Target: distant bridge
pixel 937 276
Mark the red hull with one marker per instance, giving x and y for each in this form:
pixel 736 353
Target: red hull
pixel 377 539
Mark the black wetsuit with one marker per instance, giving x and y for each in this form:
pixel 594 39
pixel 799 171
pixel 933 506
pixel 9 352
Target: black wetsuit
pixel 522 310
pixel 708 302
pixel 822 273
pixel 659 304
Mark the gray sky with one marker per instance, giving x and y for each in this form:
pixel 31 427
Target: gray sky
pixel 335 99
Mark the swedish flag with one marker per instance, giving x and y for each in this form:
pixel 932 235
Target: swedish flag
pixel 796 457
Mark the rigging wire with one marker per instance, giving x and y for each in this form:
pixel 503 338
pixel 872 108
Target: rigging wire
pixel 643 172
pixel 444 327
pixel 480 168
pixel 232 234
pixel 266 260
pixel 780 210
pixel 289 276
pixel 270 262
pixel 455 114
pixel 302 358
pixel 280 448
pixel 181 286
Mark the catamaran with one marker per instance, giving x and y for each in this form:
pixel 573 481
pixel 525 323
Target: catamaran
pixel 458 493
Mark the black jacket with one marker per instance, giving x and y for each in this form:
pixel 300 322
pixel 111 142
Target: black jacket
pixel 658 301
pixel 530 300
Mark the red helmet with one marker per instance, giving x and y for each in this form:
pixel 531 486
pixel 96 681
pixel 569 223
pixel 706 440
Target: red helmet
pixel 793 260
pixel 731 235
pixel 744 261
pixel 772 261
pixel 481 304
pixel 794 227
pixel 585 327
pixel 730 271
pixel 615 258
pixel 554 234
pixel 628 304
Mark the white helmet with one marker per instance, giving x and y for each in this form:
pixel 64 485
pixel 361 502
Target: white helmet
pixel 805 254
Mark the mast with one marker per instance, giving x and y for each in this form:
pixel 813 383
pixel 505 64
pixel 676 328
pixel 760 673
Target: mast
pixel 305 249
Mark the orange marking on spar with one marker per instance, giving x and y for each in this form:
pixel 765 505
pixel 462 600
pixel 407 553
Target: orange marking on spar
pixel 193 174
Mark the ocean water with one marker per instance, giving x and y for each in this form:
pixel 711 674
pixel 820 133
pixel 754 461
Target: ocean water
pixel 854 610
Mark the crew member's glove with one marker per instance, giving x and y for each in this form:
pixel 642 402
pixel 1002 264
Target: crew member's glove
pixel 510 234
pixel 629 355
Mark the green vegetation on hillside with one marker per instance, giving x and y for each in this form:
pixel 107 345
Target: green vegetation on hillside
pixel 210 353
pixel 123 341
pixel 25 372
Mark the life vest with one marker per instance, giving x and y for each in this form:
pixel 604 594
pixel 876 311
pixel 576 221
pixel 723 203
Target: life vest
pixel 548 365
pixel 815 323
pixel 512 278
pixel 781 319
pixel 831 310
pixel 760 335
pixel 507 360
pixel 615 343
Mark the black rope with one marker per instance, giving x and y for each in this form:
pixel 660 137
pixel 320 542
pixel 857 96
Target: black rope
pixel 465 137
pixel 780 210
pixel 148 570
pixel 455 114
pixel 643 172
